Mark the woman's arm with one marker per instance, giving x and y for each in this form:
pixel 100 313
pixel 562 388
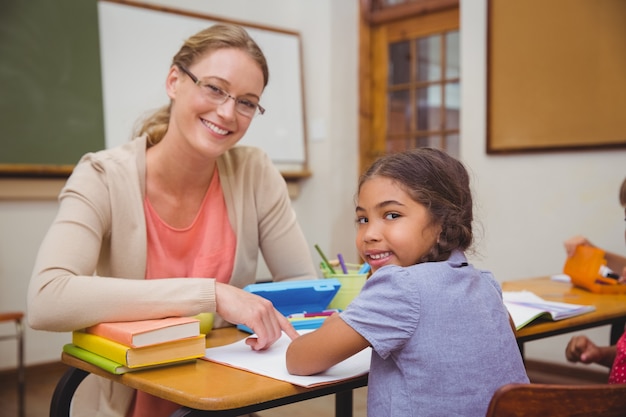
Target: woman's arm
pixel 100 229
pixel 317 351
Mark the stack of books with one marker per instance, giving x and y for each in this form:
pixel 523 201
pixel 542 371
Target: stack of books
pixel 122 347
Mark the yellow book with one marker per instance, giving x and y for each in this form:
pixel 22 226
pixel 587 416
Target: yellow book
pixel 161 353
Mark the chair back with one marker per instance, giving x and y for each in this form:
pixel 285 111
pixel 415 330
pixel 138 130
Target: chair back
pixel 554 400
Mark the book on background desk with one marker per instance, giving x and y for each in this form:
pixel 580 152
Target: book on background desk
pixel 162 353
pixel 147 332
pixel 525 307
pixel 272 362
pixel 104 363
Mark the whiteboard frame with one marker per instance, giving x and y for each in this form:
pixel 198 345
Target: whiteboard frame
pixel 127 27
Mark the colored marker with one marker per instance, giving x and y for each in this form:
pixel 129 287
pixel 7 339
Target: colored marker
pixel 342 263
pixel 324 313
pixel 365 268
pixel 607 272
pixel 330 268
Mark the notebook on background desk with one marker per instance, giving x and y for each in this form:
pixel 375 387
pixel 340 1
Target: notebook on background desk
pixel 525 307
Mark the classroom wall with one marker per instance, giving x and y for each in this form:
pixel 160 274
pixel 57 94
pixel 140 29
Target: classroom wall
pixel 525 204
pixel 528 204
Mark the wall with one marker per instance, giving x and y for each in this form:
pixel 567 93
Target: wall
pixel 526 204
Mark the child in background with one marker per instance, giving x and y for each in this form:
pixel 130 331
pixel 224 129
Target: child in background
pixel 440 334
pixel 615 262
pixel 580 348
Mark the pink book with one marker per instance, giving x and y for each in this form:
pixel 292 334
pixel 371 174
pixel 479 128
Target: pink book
pixel 147 332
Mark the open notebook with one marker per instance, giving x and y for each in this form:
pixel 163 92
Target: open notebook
pixel 526 306
pixel 271 362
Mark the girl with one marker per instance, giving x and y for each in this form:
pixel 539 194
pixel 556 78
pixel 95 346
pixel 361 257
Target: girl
pixel 582 349
pixel 440 335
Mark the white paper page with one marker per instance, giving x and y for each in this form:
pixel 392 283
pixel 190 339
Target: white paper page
pixel 271 362
pixel 525 306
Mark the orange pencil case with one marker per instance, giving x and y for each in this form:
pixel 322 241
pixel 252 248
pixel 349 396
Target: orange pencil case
pixel 584 270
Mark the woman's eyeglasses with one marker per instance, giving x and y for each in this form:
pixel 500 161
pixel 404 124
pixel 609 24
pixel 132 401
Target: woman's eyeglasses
pixel 245 106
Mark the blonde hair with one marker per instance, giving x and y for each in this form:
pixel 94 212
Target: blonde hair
pixel 218 36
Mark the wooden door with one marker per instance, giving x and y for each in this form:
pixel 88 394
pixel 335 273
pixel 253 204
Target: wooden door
pixel 410 84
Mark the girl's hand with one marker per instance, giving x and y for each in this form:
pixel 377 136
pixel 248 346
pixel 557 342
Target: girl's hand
pixel 581 349
pixel 571 243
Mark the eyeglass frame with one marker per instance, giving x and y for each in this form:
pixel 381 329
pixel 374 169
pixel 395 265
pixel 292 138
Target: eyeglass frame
pixel 259 109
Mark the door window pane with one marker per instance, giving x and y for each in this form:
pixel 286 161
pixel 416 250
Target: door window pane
pixel 399 113
pixel 453 105
pixel 398 144
pixel 453 146
pixel 433 141
pixel 429 108
pixel 429 58
pixel 399 63
pixel 453 66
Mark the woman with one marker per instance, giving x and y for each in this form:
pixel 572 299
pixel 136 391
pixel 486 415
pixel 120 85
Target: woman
pixel 179 201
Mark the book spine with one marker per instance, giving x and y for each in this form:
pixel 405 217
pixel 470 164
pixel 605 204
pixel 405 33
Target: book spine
pixel 169 352
pixel 97 360
pixel 101 346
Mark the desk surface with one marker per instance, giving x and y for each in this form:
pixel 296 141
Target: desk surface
pixel 205 385
pixel 610 308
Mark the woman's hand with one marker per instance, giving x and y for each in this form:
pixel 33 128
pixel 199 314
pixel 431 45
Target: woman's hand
pixel 241 307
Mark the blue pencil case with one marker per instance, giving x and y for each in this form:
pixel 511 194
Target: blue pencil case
pixel 297 297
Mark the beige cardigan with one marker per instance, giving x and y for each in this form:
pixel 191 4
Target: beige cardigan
pixel 97 243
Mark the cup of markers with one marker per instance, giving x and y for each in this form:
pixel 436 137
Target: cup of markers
pixel 351 282
pixel 351 276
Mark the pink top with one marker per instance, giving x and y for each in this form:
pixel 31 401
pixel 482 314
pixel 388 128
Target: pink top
pixel 618 370
pixel 205 249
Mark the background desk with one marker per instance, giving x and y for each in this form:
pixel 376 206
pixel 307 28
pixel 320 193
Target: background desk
pixel 206 388
pixel 610 309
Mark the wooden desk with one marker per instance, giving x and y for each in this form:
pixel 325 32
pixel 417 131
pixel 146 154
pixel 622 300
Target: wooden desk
pixel 209 389
pixel 206 388
pixel 610 309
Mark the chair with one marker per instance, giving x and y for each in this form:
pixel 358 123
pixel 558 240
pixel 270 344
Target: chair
pixel 541 400
pixel 16 316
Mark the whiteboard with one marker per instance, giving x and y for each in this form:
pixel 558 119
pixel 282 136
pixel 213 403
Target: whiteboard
pixel 137 44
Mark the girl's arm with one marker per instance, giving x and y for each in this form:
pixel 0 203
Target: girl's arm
pixel 615 262
pixel 317 351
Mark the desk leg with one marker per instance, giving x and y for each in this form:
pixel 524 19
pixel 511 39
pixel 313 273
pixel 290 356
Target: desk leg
pixel 343 404
pixel 187 412
pixel 617 329
pixel 64 391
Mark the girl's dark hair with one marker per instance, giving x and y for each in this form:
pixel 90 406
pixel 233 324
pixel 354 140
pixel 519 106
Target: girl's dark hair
pixel 622 193
pixel 441 184
pixel 218 36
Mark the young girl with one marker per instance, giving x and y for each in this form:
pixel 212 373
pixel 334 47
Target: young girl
pixel 440 335
pixel 582 349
